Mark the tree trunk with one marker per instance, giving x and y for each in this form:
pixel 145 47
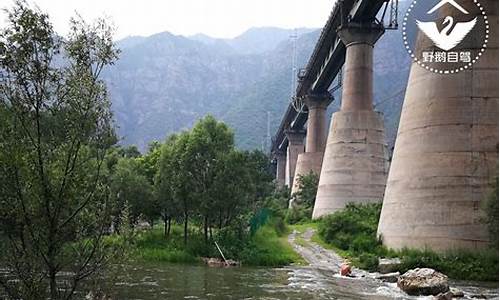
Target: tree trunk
pixel 220 219
pixel 53 284
pixel 185 228
pixel 169 226
pixel 165 223
pixel 210 231
pixel 205 229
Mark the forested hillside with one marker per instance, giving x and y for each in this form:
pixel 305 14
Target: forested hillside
pixel 164 83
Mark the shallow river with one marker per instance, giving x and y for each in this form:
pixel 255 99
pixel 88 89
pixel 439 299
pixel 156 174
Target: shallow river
pixel 173 281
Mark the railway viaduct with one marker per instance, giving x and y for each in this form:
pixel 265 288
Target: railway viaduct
pixel 446 152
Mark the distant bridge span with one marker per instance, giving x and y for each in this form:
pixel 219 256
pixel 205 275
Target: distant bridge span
pixel 326 61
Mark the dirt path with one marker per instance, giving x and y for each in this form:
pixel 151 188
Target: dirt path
pixel 317 256
pixel 324 266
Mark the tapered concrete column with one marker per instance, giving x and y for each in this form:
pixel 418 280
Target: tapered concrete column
pixel 312 159
pixel 316 122
pixel 280 157
pixel 295 147
pixel 446 152
pixel 357 89
pixel 355 162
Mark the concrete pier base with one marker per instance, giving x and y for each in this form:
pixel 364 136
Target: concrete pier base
pixel 312 158
pixel 280 169
pixel 306 163
pixel 295 147
pixel 446 156
pixel 355 163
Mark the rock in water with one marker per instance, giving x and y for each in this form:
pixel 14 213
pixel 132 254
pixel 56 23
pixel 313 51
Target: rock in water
pixel 444 296
pixel 388 265
pixel 388 277
pixel 457 293
pixel 424 282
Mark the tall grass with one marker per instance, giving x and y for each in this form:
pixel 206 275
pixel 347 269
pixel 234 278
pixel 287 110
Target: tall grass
pixel 267 247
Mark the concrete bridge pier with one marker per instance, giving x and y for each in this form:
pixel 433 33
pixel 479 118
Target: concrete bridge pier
pixel 280 158
pixel 295 147
pixel 311 160
pixel 446 153
pixel 355 163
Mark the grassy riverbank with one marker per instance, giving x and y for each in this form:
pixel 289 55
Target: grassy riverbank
pixel 352 234
pixel 268 246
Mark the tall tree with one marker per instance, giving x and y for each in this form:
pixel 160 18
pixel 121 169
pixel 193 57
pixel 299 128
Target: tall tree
pixel 54 131
pixel 209 141
pixel 233 188
pixel 129 186
pixel 165 183
pixel 182 180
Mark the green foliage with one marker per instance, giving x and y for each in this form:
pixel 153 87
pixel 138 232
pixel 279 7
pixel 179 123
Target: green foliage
pixel 480 265
pixel 129 185
pixel 303 200
pixel 298 214
pixel 277 201
pixel 353 228
pixel 129 151
pixel 153 246
pixel 202 178
pixel 352 232
pixel 308 187
pixel 149 161
pixel 268 247
pixel 55 128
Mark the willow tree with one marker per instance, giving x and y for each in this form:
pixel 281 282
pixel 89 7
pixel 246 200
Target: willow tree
pixel 55 128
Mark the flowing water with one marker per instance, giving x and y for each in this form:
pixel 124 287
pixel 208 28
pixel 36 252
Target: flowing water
pixel 319 280
pixel 174 281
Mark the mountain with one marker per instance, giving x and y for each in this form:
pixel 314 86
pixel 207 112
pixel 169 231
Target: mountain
pixel 256 40
pixel 163 83
pixel 264 39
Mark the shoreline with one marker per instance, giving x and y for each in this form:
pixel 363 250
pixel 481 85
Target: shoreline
pixel 329 260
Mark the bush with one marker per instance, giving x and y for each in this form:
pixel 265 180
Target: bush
pixel 298 214
pixel 368 261
pixel 308 187
pixel 460 264
pixel 304 199
pixel 353 228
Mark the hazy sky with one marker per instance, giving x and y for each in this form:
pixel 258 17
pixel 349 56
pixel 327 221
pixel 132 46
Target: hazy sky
pixel 217 18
